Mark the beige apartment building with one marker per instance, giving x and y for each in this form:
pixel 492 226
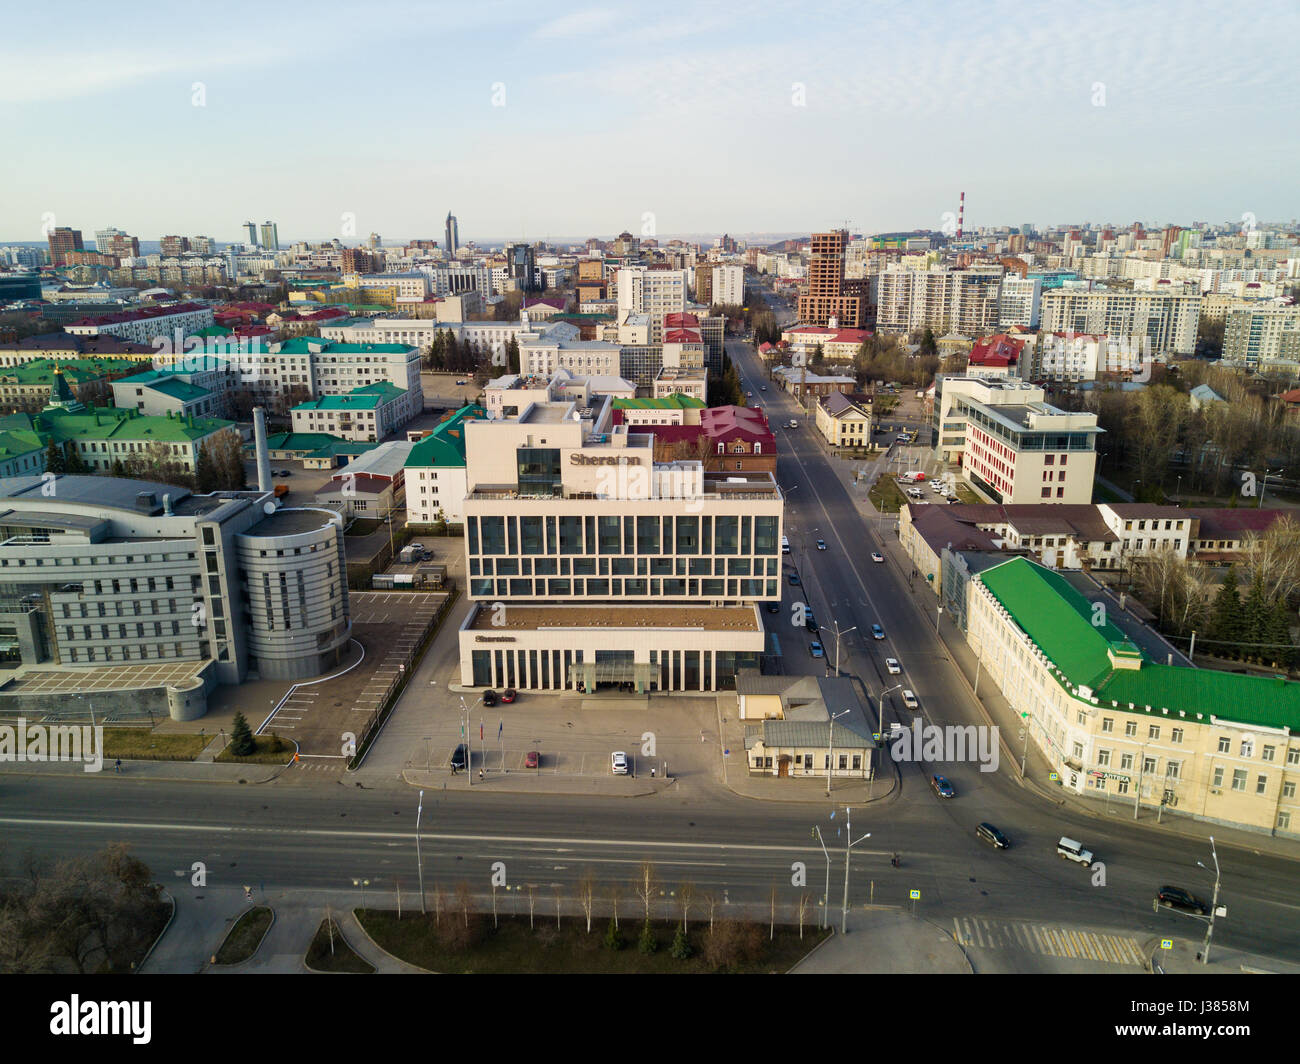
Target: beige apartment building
pixel 1216 746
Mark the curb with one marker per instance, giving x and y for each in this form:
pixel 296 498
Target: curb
pixel 149 952
pixel 390 956
pixel 317 971
pixel 232 967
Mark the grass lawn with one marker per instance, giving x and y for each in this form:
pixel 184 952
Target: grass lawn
pixel 340 959
pixel 515 948
pixel 243 939
pixel 885 494
pixel 964 494
pixel 142 744
pixel 267 750
pixel 363 526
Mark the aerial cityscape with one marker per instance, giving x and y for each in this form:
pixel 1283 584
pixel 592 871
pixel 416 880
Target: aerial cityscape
pixel 473 535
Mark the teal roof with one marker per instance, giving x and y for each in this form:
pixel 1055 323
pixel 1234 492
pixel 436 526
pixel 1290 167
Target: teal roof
pixel 112 423
pixel 179 390
pixel 299 346
pixel 40 371
pixel 1059 621
pixel 445 446
pixel 366 397
pixel 16 443
pixel 316 444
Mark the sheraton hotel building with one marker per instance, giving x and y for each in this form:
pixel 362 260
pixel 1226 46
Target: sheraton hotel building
pixel 592 566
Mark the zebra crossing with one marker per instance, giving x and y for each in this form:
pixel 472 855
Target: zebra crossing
pixel 978 933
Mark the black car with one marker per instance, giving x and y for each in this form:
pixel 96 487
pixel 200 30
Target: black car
pixel 460 757
pixel 489 698
pixel 774 607
pixel 992 836
pixel 1177 898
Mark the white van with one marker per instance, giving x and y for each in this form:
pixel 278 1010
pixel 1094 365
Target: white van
pixel 785 545
pixel 1073 850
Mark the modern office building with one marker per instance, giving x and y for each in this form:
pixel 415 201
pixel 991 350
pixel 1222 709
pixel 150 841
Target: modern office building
pixel 104 571
pixel 435 472
pixel 452 244
pixel 1012 446
pixel 569 521
pixel 940 298
pixel 270 236
pixel 653 292
pixel 1019 301
pixel 728 287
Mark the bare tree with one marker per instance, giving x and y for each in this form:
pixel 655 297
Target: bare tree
pixel 645 885
pixel 558 897
pixel 587 895
pixel 771 927
pixel 494 906
pixel 685 895
pixel 802 907
pixel 711 900
pixel 439 902
pixel 532 904
pixel 463 900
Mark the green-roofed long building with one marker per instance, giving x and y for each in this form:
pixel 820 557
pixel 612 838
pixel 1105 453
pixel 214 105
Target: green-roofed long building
pixel 1113 722
pixel 435 471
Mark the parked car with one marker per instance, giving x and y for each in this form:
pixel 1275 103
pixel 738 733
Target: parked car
pixel 909 699
pixel 821 544
pixel 489 698
pixel 774 607
pixel 809 621
pixel 892 666
pixel 992 836
pixel 794 579
pixel 816 650
pixel 509 695
pixel 460 757
pixel 877 557
pixel 532 759
pixel 941 787
pixel 792 424
pixel 877 632
pixel 618 763
pixel 1177 898
pixel 762 387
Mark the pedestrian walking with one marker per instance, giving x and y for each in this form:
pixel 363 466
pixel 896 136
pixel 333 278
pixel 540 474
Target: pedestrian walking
pixel 117 765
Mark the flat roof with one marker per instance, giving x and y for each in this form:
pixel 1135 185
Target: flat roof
pixel 639 617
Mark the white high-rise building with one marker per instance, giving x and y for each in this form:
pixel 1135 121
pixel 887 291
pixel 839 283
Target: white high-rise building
pixel 1019 302
pixel 653 293
pixel 946 300
pixel 1164 322
pixel 729 286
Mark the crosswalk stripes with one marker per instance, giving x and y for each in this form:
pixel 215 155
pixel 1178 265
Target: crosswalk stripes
pixel 1069 942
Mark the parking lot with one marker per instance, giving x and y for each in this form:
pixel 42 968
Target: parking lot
pixel 317 714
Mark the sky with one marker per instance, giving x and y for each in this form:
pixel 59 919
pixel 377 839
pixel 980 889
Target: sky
pixel 552 122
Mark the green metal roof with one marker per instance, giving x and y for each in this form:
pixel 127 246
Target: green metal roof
pixel 1059 621
pixel 16 443
pixel 316 444
pixel 366 397
pixel 113 423
pixel 75 370
pixel 445 445
pixel 176 388
pixel 676 401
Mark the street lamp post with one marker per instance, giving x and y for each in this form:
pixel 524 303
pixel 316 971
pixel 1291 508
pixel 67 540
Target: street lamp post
pixel 1137 794
pixel 830 750
pixel 419 860
pixel 849 843
pixel 937 614
pixel 896 687
pixel 1264 487
pixel 838 633
pixel 1214 904
pixel 826 897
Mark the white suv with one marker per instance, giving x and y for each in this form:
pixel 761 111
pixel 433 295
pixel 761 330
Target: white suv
pixel 618 763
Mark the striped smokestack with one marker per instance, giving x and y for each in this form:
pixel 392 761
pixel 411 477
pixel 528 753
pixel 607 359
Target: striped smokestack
pixel 961 214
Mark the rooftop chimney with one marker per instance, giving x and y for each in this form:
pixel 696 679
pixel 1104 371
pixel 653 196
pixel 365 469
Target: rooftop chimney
pixel 263 455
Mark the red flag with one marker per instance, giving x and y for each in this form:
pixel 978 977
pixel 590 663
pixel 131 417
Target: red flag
pixel 480 731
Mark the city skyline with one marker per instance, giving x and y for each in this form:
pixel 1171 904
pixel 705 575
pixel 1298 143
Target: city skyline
pixel 1032 114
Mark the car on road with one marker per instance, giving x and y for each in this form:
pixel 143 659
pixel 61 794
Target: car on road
pixel 902 437
pixel 532 759
pixel 877 632
pixel 792 424
pixel 1073 850
pixel 816 649
pixel 762 387
pixel 489 698
pixel 618 763
pixel 992 836
pixel 509 695
pixel 460 757
pixel 821 544
pixel 774 607
pixel 941 787
pixel 909 699
pixel 809 621
pixel 794 579
pixel 1177 898
pixel 284 472
pixel 877 557
pixel 892 666
pixel 462 382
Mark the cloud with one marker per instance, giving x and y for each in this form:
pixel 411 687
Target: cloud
pixel 577 24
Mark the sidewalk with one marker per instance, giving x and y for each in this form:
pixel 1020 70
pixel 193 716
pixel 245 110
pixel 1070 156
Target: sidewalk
pixel 525 782
pixel 1182 959
pixel 167 771
pixel 886 941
